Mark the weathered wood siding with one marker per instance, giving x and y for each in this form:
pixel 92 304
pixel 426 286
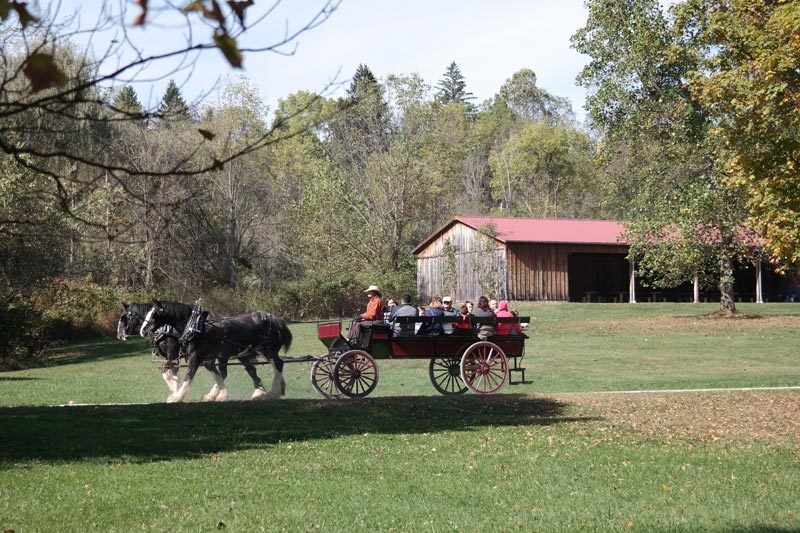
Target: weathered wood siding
pixel 539 271
pixel 483 266
pixel 480 266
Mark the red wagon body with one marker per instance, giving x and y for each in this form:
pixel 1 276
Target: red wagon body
pixel 458 362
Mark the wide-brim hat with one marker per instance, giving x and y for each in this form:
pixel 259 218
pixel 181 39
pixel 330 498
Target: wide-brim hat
pixel 374 288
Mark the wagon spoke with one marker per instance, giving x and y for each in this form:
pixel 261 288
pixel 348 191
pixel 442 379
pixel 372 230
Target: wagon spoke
pixel 484 368
pixel 355 373
pixel 322 377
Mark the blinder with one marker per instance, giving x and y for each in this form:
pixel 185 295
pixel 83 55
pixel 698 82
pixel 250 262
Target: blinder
pixel 196 325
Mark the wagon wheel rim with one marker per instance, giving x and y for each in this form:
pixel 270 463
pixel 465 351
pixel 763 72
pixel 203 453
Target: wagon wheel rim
pixel 322 377
pixel 484 368
pixel 445 373
pixel 355 374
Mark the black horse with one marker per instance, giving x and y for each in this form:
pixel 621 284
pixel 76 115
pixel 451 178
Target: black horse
pixel 164 341
pixel 172 318
pixel 208 337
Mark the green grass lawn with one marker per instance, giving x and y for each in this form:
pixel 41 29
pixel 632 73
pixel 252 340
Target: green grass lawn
pixel 540 457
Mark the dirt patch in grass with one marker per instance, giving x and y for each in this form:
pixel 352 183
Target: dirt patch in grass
pixel 705 324
pixel 769 416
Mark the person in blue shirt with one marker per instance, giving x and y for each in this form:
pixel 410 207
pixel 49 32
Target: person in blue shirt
pixel 434 310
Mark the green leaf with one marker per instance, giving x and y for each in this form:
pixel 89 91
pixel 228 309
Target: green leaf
pixel 229 49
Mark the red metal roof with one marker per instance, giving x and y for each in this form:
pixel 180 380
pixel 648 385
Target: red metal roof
pixel 549 230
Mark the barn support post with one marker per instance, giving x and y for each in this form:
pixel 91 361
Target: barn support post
pixel 632 282
pixel 696 283
pixel 759 293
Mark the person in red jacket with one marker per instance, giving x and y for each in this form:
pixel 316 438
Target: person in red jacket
pixel 463 326
pixel 503 312
pixel 373 314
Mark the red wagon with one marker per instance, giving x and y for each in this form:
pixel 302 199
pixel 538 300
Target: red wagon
pixel 458 362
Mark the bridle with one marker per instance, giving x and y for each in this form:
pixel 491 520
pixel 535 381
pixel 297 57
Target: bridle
pixel 149 320
pixel 128 316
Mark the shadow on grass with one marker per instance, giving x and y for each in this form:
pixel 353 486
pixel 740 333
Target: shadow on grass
pixel 103 349
pixel 17 378
pixel 157 432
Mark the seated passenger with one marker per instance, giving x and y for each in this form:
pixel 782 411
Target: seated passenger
pixel 447 308
pixel 483 311
pixel 507 328
pixel 404 309
pixel 463 326
pixel 434 310
pixel 420 312
pixel 373 314
pixel 388 308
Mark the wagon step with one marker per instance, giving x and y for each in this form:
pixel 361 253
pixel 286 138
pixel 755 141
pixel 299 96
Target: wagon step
pixel 521 371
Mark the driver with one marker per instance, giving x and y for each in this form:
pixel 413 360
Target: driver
pixel 373 314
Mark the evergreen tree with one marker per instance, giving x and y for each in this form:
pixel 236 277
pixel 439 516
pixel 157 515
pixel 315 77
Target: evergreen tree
pixel 173 106
pixel 453 88
pixel 127 102
pixel 363 84
pixel 365 111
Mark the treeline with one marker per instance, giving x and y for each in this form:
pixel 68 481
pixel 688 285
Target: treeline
pixel 333 201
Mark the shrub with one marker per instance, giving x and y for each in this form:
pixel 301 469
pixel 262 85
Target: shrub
pixel 24 332
pixel 78 308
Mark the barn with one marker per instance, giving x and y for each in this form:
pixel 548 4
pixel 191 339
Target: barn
pixel 525 259
pixel 560 260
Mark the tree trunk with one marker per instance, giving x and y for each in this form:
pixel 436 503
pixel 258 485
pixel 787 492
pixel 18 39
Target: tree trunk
pixel 727 305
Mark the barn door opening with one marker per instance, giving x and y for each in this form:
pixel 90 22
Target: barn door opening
pixel 598 277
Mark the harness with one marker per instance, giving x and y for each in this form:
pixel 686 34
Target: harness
pixel 162 333
pixel 198 326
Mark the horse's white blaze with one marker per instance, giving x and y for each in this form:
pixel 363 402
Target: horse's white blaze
pixel 146 322
pixel 180 394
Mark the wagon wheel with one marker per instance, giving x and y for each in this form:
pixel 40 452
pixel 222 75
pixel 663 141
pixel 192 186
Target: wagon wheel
pixel 355 374
pixel 484 368
pixel 445 375
pixel 322 377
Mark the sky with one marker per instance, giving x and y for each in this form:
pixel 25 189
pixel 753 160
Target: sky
pixel 489 41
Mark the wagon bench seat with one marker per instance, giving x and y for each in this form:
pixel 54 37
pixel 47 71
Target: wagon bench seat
pixel 453 345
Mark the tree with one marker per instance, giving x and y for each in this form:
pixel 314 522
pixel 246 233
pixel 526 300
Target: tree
pixel 363 84
pixel 542 170
pixel 127 102
pixel 749 82
pixel 46 79
pixel 533 103
pixel 173 106
pixel 656 132
pixel 453 88
pixel 374 197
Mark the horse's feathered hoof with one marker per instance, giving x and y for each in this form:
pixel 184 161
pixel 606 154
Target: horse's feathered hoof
pixel 174 399
pixel 259 394
pixel 222 396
